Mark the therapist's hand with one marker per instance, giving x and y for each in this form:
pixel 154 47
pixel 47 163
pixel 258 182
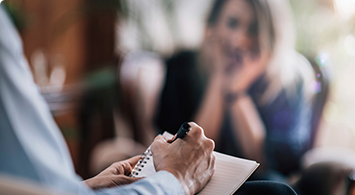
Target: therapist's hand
pixel 190 159
pixel 114 175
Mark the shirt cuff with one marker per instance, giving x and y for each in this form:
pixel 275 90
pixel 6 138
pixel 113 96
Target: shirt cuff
pixel 167 182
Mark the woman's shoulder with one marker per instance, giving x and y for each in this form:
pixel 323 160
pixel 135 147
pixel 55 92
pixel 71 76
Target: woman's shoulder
pixel 304 78
pixel 293 81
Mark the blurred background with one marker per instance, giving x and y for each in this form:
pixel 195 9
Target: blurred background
pixel 76 48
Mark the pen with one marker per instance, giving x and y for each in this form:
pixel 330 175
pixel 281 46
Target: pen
pixel 182 132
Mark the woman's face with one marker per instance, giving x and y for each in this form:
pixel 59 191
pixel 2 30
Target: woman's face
pixel 236 31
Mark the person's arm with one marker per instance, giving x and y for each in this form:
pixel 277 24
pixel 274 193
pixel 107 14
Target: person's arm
pixel 32 147
pixel 247 124
pixel 188 162
pixel 189 159
pixel 115 175
pixel 211 112
pixel 161 183
pixel 250 131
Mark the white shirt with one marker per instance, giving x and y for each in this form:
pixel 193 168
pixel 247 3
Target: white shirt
pixel 31 145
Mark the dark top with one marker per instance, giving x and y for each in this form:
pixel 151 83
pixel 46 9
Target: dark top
pixel 286 119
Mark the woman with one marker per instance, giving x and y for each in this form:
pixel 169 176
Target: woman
pixel 246 85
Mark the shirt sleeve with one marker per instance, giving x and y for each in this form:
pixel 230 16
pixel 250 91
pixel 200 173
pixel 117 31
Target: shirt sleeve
pixel 31 145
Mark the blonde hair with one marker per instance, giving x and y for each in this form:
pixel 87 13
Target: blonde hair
pixel 276 32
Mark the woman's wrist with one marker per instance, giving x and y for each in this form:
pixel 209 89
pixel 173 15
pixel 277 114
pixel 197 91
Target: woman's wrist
pixel 231 97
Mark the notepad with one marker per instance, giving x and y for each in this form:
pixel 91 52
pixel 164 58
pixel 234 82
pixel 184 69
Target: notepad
pixel 230 172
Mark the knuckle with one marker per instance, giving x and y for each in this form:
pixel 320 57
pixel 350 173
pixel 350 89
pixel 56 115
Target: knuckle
pixel 197 131
pixel 126 164
pixel 210 144
pixel 157 138
pixel 116 164
pixel 213 169
pixel 213 159
pixel 192 124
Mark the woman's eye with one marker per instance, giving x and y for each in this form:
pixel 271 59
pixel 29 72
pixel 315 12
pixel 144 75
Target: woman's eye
pixel 232 23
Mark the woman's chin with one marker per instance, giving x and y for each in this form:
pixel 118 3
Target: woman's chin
pixel 232 66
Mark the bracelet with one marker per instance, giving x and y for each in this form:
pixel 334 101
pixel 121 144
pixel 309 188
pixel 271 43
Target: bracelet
pixel 231 97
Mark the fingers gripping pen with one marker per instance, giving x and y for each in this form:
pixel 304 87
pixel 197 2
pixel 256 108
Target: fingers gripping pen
pixel 183 131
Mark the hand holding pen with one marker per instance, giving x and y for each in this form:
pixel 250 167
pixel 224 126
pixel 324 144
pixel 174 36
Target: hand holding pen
pixel 190 160
pixel 182 132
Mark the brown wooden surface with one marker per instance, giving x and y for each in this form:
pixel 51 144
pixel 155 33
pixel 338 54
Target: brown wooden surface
pixel 83 35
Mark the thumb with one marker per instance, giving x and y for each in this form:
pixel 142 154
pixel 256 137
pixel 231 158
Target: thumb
pixel 100 182
pixel 123 179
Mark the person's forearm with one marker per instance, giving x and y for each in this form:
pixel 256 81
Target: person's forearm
pixel 249 129
pixel 210 113
pixel 160 183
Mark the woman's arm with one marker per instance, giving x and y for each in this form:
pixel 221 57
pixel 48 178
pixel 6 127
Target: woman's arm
pixel 249 128
pixel 247 124
pixel 210 114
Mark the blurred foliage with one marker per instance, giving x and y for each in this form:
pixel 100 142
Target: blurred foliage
pixel 315 24
pixel 321 30
pixel 100 79
pixel 17 16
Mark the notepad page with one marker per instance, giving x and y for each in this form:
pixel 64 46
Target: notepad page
pixel 230 173
pixel 146 167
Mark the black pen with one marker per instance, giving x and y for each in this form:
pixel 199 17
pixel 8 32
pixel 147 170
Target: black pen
pixel 183 131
